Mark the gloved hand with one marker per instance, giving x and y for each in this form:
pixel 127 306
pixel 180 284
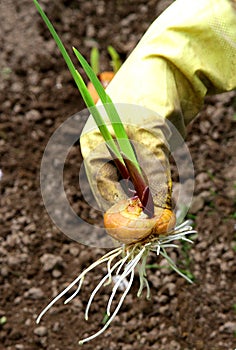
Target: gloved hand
pixel 187 53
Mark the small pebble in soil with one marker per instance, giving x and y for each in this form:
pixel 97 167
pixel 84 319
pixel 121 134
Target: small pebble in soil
pixel 33 115
pixel 50 261
pixel 41 331
pixel 34 293
pixel 56 273
pixel 74 251
pixel 19 347
pixel 228 327
pixel 197 204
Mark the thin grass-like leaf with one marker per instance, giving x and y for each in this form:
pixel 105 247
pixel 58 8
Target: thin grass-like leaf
pixel 94 60
pixel 115 58
pixel 118 127
pixel 125 147
pixel 81 85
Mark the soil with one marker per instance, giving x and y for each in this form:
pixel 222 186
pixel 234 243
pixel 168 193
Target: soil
pixel 38 261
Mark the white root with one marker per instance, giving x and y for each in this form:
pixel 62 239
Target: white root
pixel 123 262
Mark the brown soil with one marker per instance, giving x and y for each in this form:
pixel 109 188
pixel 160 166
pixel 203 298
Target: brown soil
pixel 37 95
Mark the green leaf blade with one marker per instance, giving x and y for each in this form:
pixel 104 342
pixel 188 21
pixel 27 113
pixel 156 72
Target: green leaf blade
pixel 112 113
pixel 115 58
pixel 94 60
pixel 126 150
pixel 91 75
pixel 81 85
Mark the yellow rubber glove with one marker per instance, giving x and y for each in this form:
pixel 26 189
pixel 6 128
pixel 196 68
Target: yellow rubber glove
pixel 187 53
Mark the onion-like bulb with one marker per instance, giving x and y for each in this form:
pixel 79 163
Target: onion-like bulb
pixel 126 222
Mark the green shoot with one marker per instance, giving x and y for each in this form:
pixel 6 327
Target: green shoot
pixel 122 138
pixel 156 266
pixel 211 176
pixel 115 58
pixel 117 125
pixel 5 72
pixel 191 216
pixel 94 60
pixel 105 318
pixel 95 57
pixel 188 273
pixel 3 320
pixel 81 86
